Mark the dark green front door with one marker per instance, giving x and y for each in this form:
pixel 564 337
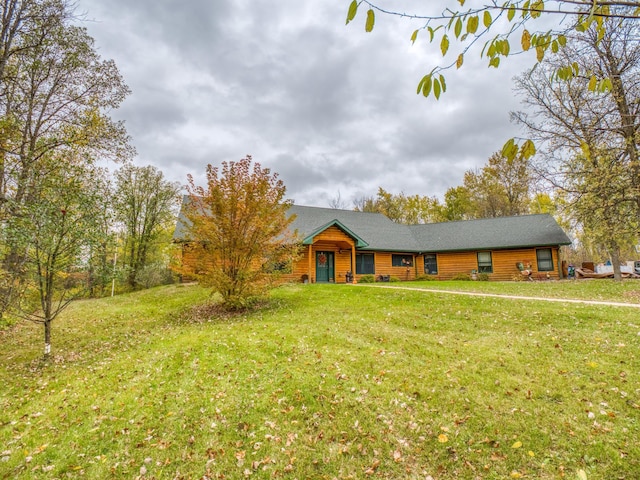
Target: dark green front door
pixel 324 267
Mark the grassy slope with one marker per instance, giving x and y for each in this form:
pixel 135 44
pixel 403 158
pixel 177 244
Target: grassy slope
pixel 328 382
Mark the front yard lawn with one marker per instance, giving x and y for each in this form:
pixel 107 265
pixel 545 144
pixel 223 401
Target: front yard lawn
pixel 327 381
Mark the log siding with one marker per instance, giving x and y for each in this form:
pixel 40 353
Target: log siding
pixel 344 233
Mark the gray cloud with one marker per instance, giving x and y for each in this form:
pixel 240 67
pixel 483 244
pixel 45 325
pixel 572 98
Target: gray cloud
pixel 330 108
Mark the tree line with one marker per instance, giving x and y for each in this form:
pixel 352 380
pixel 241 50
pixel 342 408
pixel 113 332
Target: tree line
pixel 62 215
pixel 503 187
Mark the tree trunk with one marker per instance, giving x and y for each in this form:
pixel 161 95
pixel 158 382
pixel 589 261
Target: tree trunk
pixel 133 267
pixel 615 261
pixel 47 339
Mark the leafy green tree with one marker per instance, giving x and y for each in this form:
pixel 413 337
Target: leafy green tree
pixel 607 217
pixel 61 222
pixel 239 225
pixel 500 188
pixel 457 204
pixel 401 208
pixel 542 202
pixel 144 203
pixel 366 203
pixel 24 25
pixel 391 205
pixel 422 209
pixel 487 198
pixel 56 96
pixel 158 268
pixel 587 141
pixel 100 255
pixel 492 25
pixel 59 99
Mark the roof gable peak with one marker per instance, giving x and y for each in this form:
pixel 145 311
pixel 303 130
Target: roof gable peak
pixel 360 243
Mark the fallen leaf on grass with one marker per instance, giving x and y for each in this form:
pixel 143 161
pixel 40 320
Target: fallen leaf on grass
pixel 442 438
pixel 374 466
pixel 517 444
pixel 240 457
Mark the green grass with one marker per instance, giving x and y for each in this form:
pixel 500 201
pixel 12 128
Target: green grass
pixel 627 290
pixel 327 382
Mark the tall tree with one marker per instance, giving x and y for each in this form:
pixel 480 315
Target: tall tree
pixel 402 208
pixel 59 99
pixel 492 25
pixel 144 204
pixel 607 217
pixel 239 225
pixel 25 24
pixel 585 136
pixel 101 255
pixel 457 204
pixel 57 94
pixel 500 188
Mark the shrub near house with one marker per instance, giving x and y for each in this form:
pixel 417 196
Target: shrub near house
pixel 238 233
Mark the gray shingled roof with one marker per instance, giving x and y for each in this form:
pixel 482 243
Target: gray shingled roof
pixel 490 233
pixel 378 231
pixel 181 232
pixel 382 234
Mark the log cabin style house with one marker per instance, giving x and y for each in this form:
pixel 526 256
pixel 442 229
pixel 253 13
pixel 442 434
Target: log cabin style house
pixel 339 245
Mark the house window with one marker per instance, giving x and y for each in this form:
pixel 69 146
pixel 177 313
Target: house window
pixel 401 260
pixel 545 260
pixel 365 263
pixel 430 264
pixel 484 262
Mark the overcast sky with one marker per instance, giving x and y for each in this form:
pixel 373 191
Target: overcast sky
pixel 329 107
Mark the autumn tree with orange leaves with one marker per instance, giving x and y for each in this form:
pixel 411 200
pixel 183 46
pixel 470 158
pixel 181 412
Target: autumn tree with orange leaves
pixel 240 231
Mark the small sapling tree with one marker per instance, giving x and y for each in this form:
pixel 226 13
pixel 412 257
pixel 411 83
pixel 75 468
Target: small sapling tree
pixel 59 226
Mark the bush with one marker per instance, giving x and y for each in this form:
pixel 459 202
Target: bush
pixel 394 279
pixel 426 278
pixel 461 276
pixel 154 275
pixel 367 279
pixel 483 277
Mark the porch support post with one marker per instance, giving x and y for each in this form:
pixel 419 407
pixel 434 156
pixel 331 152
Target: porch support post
pixel 353 262
pixel 310 261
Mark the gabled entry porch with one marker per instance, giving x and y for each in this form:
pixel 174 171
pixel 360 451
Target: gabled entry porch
pixel 331 253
